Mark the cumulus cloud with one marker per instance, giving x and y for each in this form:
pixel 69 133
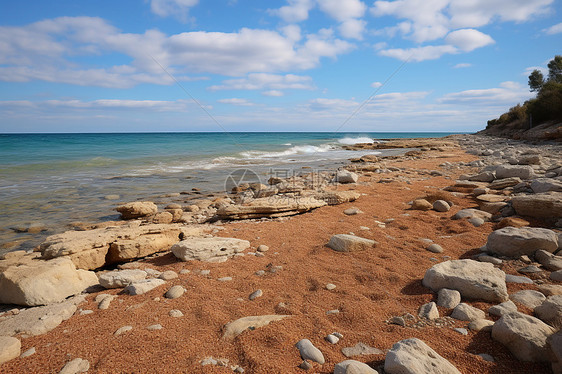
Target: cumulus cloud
pixel 430 52
pixel 44 51
pixel 176 8
pixel 468 39
pixel 343 10
pixel 376 84
pixel 555 29
pixel 353 28
pixel 264 81
pixel 296 11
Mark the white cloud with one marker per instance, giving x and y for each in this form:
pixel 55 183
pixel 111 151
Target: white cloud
pixel 462 65
pixel 555 29
pixel 236 101
pixel 44 51
pixel 296 11
pixel 430 52
pixel 273 93
pixel 332 105
pixel 376 84
pixel 343 10
pixel 507 94
pixel 353 28
pixel 468 39
pixel 530 69
pixel 176 8
pixel 263 81
pixel 106 104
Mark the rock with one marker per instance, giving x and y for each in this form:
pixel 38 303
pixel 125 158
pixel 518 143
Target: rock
pixel 476 222
pixel 397 320
pixel 465 312
pixel 556 275
pixel 75 366
pixel 162 217
pixel 447 298
pixel 473 279
pixel 517 279
pixel 541 185
pixel 137 209
pixel 421 204
pixel 435 248
pixel 10 348
pixel 262 248
pixel 550 311
pixel 544 205
pixel 530 269
pixel 514 242
pixel 548 260
pixel 486 357
pixel 309 352
pixel 524 336
pixel 360 349
pixel 254 295
pixel 428 311
pixel 275 206
pixel 503 308
pixel 142 287
pixel 472 213
pixel 441 206
pixel 486 176
pixel 511 221
pixel 555 342
pixel 175 292
pixel 346 176
pixel 337 197
pixel 519 171
pixel 305 365
pixel 332 339
pixel 413 356
pixel 529 298
pixel 330 286
pixel 168 275
pixel 43 282
pixel 209 249
pixel 490 259
pixel 500 184
pixel 353 367
pixel 30 352
pixel 350 243
pixel 481 325
pixel 352 211
pixel 121 278
pixel 461 331
pixel 550 289
pixel 490 199
pixel 154 327
pixel 39 320
pixel 122 330
pixel 237 327
pixel 175 313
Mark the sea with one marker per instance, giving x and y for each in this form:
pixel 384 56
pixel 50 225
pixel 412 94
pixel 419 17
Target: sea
pixel 50 181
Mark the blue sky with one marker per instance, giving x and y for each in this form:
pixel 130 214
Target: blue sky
pixel 293 65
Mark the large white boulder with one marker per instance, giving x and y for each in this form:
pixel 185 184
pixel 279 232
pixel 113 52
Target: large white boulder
pixel 209 249
pixel 413 356
pixel 473 279
pixel 525 336
pixel 518 241
pixel 43 282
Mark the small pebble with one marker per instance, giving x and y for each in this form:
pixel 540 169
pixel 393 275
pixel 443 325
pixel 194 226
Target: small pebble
pixel 332 339
pixel 330 286
pixel 29 352
pixel 185 271
pixel 305 365
pixel 122 330
pixel 486 357
pixel 205 272
pixel 254 295
pixel 154 327
pixel 263 248
pixel 333 311
pixel 435 248
pixel 175 313
pixel 337 334
pixel 461 331
pixel 260 272
pixel 168 275
pixel 225 279
pixel 397 321
pixel 85 312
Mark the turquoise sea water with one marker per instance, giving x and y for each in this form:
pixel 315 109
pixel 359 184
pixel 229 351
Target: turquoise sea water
pixel 54 179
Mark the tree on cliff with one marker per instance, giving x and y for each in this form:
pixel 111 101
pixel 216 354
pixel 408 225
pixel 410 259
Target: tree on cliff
pixel 537 81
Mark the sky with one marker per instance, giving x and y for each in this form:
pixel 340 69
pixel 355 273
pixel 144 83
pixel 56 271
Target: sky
pixel 287 65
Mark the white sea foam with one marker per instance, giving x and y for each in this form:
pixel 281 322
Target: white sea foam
pixel 351 141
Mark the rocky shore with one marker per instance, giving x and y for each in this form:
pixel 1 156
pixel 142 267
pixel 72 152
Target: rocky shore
pixel 444 260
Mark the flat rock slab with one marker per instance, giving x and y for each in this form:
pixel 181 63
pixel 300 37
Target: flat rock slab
pixel 515 242
pixel 121 278
pixel 350 243
pixel 473 279
pixel 237 327
pixel 544 205
pixel 337 197
pixel 548 260
pixel 209 249
pixel 529 298
pixel 353 367
pixel 270 207
pixel 43 282
pixel 519 171
pixel 144 286
pixel 10 348
pixel 39 320
pixel 360 349
pixel 413 356
pixel 472 213
pixel 75 366
pixel 524 336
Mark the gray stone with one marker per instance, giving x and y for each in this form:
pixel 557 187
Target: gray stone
pixel 472 213
pixel 541 185
pixel 524 336
pixel 473 279
pixel 544 205
pixel 550 311
pixel 209 249
pixel 30 352
pixel 121 278
pixel 360 349
pixel 503 308
pixel 461 330
pixel 122 330
pixel 500 184
pixel 309 352
pixel 144 286
pixel 254 295
pixel 465 312
pixel 447 298
pixel 481 325
pixel 428 311
pixel 105 301
pixel 350 243
pixel 305 365
pixel 346 176
pixel 441 206
pixel 490 259
pixel 262 248
pixel 154 327
pixel 10 348
pixel 330 286
pixel 75 366
pixel 413 356
pixel 353 367
pixel 529 298
pixel 352 211
pixel 548 260
pixel 519 171
pixel 486 357
pixel 435 248
pixel 237 327
pixel 175 313
pixel 476 221
pixel 332 339
pixel 509 278
pixel 168 275
pixel 514 242
pixel 174 292
pixel 485 176
pixel 556 275
pixel 530 269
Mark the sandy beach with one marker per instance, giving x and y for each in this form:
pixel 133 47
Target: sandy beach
pixel 371 287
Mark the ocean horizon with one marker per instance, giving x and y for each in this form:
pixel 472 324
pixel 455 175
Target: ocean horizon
pixel 50 180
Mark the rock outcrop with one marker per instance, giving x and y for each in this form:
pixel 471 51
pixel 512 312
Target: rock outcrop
pixel 275 206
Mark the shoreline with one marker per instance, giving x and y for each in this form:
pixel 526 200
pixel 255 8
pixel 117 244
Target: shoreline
pixel 372 286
